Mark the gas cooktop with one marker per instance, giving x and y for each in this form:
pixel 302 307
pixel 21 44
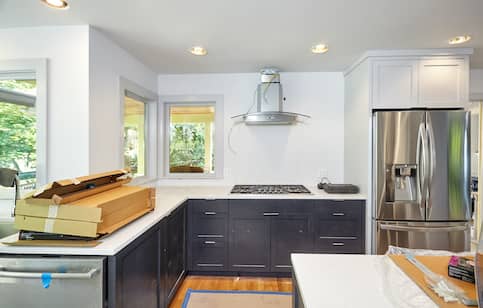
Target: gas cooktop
pixel 269 189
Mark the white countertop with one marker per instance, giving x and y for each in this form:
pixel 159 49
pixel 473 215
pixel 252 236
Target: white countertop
pixel 355 281
pixel 168 198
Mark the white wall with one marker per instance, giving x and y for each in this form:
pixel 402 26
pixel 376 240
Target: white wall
pixel 476 84
pixel 107 63
pixel 66 49
pixel 275 154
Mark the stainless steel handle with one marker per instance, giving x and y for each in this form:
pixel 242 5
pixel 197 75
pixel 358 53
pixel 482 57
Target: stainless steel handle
pixel 423 229
pixel 210 213
pixel 422 165
pixel 210 242
pixel 432 161
pixel 338 214
pixel 249 265
pixel 338 237
pixel 209 236
pixel 271 214
pixel 209 265
pixel 87 275
pixel 283 266
pixel 338 244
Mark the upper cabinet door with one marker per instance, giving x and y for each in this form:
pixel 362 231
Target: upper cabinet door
pixel 443 83
pixel 395 84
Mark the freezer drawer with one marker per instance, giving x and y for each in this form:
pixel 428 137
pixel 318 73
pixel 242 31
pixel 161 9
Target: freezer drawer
pixel 74 282
pixel 445 236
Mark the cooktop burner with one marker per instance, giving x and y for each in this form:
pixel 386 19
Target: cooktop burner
pixel 269 189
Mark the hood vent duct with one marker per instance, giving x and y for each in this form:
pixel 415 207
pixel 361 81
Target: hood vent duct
pixel 269 101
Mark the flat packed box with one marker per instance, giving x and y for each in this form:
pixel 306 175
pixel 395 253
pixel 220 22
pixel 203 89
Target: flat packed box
pixel 88 206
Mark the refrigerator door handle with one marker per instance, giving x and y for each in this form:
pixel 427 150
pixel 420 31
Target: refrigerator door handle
pixel 421 159
pixel 432 163
pixel 390 227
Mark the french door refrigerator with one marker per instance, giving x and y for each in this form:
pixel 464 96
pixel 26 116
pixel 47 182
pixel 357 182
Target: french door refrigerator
pixel 421 179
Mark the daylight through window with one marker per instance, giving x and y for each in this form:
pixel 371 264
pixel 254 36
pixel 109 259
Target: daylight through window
pixel 135 136
pixel 191 138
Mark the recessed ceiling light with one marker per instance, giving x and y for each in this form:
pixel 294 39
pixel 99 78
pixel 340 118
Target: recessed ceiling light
pixel 56 4
pixel 459 39
pixel 320 48
pixel 198 51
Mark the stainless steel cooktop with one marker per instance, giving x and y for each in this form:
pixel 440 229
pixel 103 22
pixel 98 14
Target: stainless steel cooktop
pixel 269 189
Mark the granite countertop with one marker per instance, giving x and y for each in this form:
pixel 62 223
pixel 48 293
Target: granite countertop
pixel 168 198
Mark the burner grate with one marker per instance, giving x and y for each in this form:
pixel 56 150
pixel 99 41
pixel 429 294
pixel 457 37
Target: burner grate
pixel 269 189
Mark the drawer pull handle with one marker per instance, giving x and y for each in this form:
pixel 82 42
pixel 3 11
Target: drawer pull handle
pixel 338 214
pixel 283 266
pixel 249 265
pixel 209 265
pixel 210 213
pixel 338 244
pixel 209 236
pixel 210 242
pixel 338 237
pixel 271 214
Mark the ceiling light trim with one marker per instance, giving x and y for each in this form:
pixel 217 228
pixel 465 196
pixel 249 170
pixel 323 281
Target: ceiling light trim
pixel 63 5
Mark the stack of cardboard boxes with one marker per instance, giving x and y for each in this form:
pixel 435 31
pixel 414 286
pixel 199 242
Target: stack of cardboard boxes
pixel 86 207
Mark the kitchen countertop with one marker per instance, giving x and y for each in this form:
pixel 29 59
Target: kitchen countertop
pixel 373 281
pixel 168 198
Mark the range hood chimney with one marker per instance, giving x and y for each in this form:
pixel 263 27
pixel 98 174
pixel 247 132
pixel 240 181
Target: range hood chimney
pixel 269 101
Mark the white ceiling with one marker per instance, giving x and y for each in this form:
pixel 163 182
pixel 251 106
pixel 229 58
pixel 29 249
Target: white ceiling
pixel 245 35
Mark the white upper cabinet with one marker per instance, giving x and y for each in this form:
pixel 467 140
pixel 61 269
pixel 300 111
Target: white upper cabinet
pixel 417 78
pixel 395 84
pixel 443 83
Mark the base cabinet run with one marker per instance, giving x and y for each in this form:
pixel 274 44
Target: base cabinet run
pixel 238 236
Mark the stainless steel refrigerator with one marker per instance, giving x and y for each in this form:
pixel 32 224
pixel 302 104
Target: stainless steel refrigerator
pixel 421 179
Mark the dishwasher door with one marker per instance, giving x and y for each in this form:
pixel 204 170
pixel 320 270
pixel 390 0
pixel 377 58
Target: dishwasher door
pixel 52 282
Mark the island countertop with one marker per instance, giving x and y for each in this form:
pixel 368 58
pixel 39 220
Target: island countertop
pixel 168 198
pixel 373 281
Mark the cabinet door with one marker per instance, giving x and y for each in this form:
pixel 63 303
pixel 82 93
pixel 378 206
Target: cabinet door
pixel 289 234
pixel 175 247
pixel 249 246
pixel 163 265
pixel 133 273
pixel 395 84
pixel 443 83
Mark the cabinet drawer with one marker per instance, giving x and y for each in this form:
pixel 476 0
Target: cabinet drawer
pixel 339 244
pixel 207 258
pixel 209 226
pixel 339 227
pixel 209 207
pixel 258 208
pixel 340 209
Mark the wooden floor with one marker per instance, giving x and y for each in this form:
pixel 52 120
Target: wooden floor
pixel 230 283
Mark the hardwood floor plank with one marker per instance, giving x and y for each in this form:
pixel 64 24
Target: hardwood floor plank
pixel 230 283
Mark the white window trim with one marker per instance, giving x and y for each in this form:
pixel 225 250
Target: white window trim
pixel 163 129
pixel 151 100
pixel 39 67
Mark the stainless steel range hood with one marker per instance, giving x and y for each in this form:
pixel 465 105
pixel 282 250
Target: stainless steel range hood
pixel 269 101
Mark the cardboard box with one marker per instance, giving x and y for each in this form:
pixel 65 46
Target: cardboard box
pixel 87 206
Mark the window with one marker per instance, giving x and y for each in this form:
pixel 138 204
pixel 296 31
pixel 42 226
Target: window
pixel 135 135
pixel 18 127
pixel 191 132
pixel 193 138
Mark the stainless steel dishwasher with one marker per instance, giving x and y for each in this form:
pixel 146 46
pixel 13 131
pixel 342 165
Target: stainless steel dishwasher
pixel 52 282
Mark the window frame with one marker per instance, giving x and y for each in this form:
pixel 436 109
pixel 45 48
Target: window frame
pixel 38 67
pixel 150 99
pixel 164 129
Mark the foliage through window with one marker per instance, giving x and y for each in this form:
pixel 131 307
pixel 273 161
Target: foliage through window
pixel 134 136
pixel 191 143
pixel 18 130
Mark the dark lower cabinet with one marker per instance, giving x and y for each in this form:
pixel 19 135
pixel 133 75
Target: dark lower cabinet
pixel 249 248
pixel 134 273
pixel 176 244
pixel 290 233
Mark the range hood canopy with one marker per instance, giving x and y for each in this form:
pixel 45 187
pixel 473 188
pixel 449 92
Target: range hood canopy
pixel 269 101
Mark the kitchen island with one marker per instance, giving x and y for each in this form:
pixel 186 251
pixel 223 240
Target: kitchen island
pixel 353 281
